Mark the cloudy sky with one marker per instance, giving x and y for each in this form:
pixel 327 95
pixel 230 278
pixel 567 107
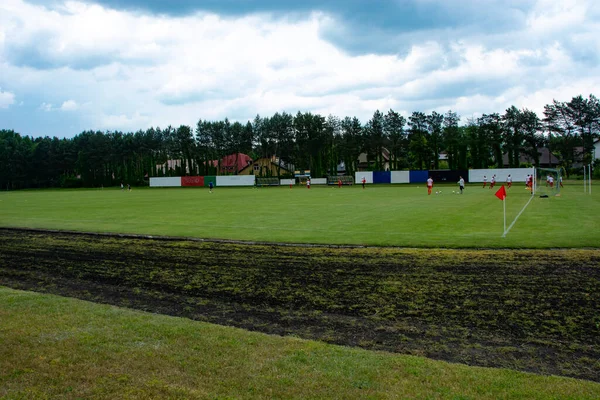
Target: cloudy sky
pixel 68 66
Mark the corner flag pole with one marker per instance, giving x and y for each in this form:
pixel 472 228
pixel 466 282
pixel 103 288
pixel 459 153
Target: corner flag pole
pixel 504 207
pixel 501 194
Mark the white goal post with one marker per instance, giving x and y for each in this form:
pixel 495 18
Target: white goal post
pixel 547 182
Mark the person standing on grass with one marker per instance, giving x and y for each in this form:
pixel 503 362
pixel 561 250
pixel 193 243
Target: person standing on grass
pixel 484 181
pixel 122 187
pixel 461 184
pixel 560 181
pixel 508 181
pixel 493 181
pixel 308 183
pixel 128 187
pixel 210 187
pixel 363 182
pixel 551 181
pixel 340 183
pixel 429 185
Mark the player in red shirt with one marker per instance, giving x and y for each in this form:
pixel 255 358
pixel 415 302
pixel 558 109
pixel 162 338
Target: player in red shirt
pixel 340 183
pixel 429 185
pixel 493 181
pixel 363 182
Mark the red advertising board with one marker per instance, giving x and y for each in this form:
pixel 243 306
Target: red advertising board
pixel 192 181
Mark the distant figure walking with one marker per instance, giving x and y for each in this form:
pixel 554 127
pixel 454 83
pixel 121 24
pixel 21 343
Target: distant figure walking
pixel 509 181
pixel 484 181
pixel 363 182
pixel 461 184
pixel 429 185
pixel 308 183
pixel 340 183
pixel 210 187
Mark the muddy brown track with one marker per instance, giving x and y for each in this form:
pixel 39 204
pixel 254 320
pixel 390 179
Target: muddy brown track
pixel 531 310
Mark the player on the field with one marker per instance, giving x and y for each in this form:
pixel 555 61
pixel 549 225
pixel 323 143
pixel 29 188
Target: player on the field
pixel 308 183
pixel 493 181
pixel 363 182
pixel 550 181
pixel 461 184
pixel 210 187
pixel 484 181
pixel 508 181
pixel 340 183
pixel 429 185
pixel 560 181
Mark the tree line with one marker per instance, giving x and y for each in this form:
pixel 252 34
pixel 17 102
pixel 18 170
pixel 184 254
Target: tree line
pixel 306 141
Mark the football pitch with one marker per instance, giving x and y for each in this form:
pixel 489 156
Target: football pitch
pixel 380 215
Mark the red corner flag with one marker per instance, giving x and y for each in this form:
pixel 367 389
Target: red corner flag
pixel 501 193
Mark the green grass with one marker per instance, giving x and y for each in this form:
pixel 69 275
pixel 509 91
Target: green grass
pixel 379 215
pixel 55 347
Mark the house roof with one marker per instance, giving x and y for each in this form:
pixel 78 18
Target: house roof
pixel 545 157
pixel 362 157
pixel 281 164
pixel 240 160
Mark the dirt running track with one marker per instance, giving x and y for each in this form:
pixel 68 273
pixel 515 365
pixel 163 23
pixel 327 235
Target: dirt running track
pixel 527 310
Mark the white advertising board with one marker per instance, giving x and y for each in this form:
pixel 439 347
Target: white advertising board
pixel 400 177
pixel 358 176
pixel 235 180
pixel 517 174
pixel 166 182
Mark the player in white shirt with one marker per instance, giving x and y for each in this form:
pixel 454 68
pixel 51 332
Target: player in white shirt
pixel 484 181
pixel 461 184
pixel 551 181
pixel 429 185
pixel 493 181
pixel 508 181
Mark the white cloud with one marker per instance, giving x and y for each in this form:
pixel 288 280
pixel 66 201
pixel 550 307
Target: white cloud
pixel 130 70
pixel 45 107
pixel 123 122
pixel 69 105
pixel 6 99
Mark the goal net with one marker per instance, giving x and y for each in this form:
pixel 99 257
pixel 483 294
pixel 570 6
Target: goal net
pixel 547 182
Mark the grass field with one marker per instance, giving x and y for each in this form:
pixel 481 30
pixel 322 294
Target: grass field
pixel 527 309
pixel 59 348
pixel 378 215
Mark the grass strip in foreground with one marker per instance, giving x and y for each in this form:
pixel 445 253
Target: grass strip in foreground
pixel 528 310
pixel 55 347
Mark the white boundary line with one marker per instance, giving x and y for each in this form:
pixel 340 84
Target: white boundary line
pixel 517 217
